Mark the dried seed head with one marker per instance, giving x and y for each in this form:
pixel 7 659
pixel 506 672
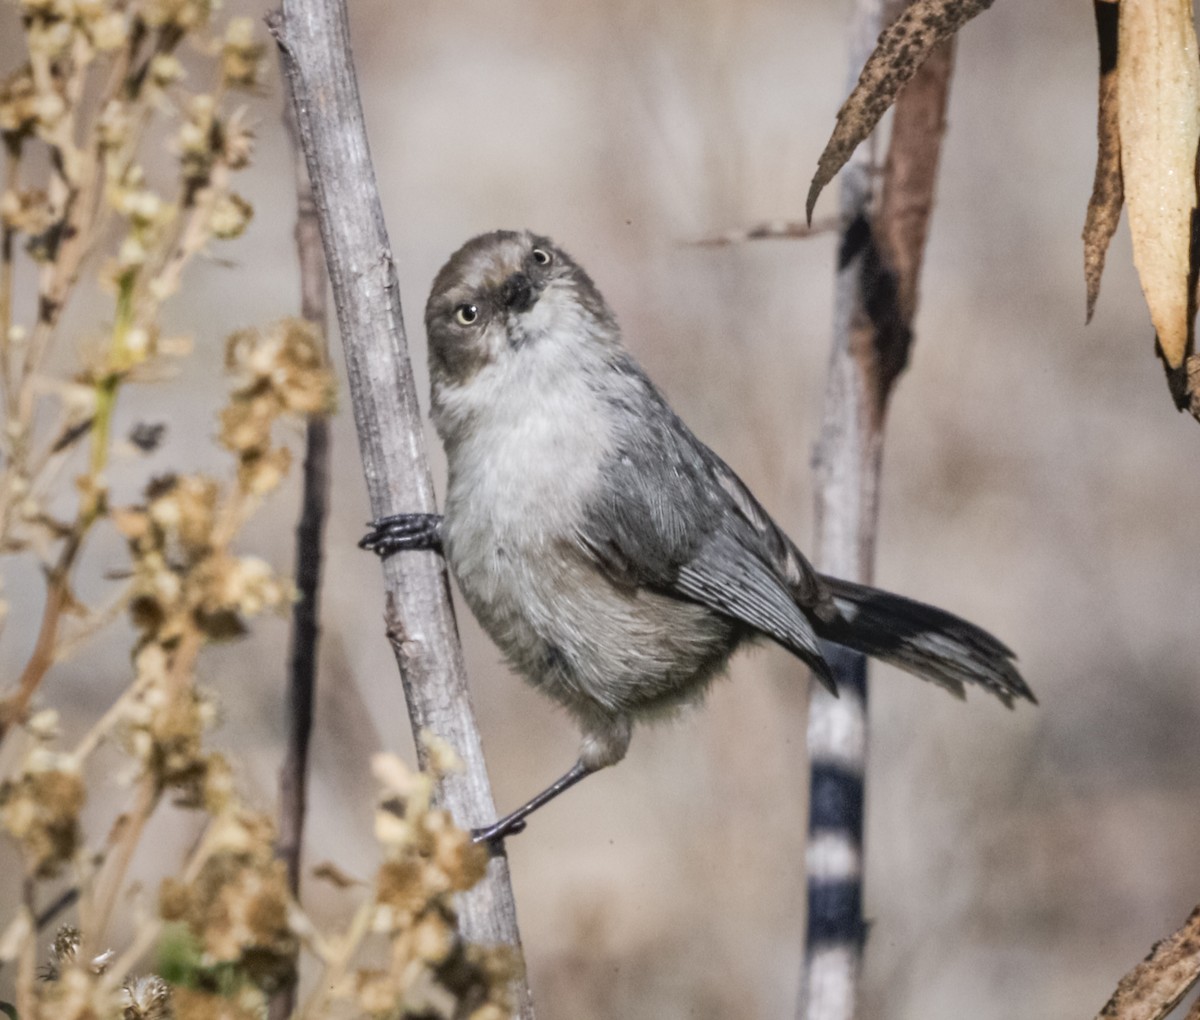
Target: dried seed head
pixel 241 55
pixel 146 998
pixel 19 110
pixel 66 944
pixel 64 950
pixel 165 70
pixel 281 371
pixel 40 810
pixel 181 14
pixel 238 906
pixel 229 217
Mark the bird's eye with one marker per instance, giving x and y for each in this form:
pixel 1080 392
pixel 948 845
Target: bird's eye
pixel 541 257
pixel 466 314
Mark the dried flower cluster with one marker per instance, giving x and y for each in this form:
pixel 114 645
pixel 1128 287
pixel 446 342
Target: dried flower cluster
pixel 244 933
pixel 187 588
pixel 430 974
pixel 81 989
pixel 237 906
pixel 146 998
pixel 103 91
pixel 40 810
pixel 282 371
pixel 64 951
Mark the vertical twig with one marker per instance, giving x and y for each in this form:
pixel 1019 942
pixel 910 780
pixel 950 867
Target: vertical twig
pixel 879 262
pixel 128 834
pixel 306 632
pixel 314 42
pixel 26 981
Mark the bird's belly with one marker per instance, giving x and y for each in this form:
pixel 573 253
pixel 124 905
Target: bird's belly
pixel 588 643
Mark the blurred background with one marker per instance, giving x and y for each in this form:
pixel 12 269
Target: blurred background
pixel 1037 480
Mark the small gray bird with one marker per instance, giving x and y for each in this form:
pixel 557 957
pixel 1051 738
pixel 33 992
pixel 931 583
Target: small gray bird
pixel 613 557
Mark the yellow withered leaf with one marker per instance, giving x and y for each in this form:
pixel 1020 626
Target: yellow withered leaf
pixel 902 48
pixel 1108 189
pixel 1158 79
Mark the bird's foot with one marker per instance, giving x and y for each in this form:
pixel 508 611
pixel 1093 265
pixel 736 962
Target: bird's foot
pixel 403 531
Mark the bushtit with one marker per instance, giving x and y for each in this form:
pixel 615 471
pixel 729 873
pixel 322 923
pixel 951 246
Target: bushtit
pixel 613 557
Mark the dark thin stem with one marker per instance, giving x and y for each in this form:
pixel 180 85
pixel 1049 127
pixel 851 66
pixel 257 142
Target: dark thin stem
pixel 302 663
pixel 306 629
pixel 313 36
pixel 64 901
pixel 879 264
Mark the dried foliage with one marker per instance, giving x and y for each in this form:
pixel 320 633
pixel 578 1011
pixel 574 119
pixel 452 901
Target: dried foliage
pixel 1108 188
pixel 1148 128
pixel 1158 79
pixel 429 971
pixel 1156 985
pixel 104 87
pixel 105 91
pixel 902 49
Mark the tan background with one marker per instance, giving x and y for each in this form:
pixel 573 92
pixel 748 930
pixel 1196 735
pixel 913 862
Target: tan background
pixel 1037 480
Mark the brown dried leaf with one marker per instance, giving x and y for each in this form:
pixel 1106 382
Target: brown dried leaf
pixel 1154 987
pixel 1159 83
pixel 1108 188
pixel 902 48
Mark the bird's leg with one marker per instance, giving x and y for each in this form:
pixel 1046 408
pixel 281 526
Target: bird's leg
pixel 513 823
pixel 605 741
pixel 403 531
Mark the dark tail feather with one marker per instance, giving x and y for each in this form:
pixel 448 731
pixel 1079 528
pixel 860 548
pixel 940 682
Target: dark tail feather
pixel 923 640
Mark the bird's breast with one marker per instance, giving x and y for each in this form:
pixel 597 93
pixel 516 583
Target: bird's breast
pixel 519 480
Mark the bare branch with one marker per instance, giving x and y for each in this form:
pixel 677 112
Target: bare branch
pixel 770 230
pixel 314 41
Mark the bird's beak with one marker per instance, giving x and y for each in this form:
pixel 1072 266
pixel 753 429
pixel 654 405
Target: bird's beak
pixel 517 293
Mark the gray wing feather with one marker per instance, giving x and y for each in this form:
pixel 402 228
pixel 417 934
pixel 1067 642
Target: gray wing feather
pixel 672 516
pixel 724 577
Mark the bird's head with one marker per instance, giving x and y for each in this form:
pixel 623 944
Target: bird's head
pixel 506 293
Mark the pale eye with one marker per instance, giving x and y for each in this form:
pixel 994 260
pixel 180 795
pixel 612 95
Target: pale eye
pixel 466 314
pixel 541 256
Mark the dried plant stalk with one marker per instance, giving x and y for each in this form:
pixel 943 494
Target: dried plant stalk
pixel 314 43
pixel 879 266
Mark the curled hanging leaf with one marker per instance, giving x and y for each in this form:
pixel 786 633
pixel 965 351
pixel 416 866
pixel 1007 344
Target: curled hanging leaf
pixel 1158 78
pixel 1154 987
pixel 902 48
pixel 1108 188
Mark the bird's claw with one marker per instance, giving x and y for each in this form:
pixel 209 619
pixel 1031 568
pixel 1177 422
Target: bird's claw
pixel 399 532
pixel 493 836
